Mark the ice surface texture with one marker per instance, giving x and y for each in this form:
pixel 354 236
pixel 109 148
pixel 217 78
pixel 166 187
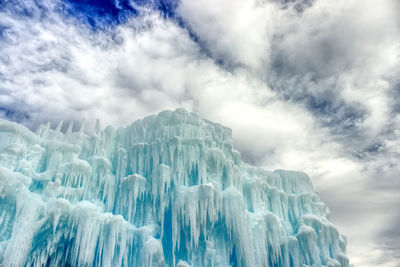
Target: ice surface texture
pixel 168 190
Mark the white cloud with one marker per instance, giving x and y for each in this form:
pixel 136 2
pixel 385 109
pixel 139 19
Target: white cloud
pixel 53 68
pixel 236 32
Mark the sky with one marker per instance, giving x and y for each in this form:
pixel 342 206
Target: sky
pixel 309 85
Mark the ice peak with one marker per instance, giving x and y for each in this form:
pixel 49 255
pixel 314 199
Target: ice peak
pixel 179 123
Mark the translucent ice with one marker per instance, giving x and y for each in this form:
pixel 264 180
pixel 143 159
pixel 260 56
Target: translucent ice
pixel 168 190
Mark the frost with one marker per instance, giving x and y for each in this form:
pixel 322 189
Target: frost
pixel 168 190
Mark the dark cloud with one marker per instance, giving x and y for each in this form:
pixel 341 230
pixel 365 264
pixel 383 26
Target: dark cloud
pixel 389 238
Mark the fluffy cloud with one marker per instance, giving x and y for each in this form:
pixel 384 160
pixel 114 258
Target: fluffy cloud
pixel 237 33
pixel 306 85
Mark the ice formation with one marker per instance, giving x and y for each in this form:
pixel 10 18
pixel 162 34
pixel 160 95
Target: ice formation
pixel 168 190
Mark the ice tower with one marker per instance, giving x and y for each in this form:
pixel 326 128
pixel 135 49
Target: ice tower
pixel 168 190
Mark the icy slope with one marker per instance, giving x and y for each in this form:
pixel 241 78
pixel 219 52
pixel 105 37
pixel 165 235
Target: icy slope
pixel 168 190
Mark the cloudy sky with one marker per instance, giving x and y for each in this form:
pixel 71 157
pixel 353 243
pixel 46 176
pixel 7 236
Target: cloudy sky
pixel 309 85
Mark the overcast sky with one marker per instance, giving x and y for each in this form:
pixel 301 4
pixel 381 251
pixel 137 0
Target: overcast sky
pixel 310 85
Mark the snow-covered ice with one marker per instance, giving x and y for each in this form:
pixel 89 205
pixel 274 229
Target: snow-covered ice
pixel 168 190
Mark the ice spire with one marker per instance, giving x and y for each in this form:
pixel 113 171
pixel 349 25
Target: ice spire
pixel 82 129
pixel 70 127
pixel 59 125
pixel 45 129
pixel 97 127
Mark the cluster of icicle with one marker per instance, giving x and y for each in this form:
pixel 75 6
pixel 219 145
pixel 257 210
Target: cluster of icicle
pixel 168 190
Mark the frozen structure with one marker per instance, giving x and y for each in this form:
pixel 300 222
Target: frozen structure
pixel 168 190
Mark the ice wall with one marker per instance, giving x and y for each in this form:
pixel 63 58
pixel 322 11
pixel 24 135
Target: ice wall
pixel 168 190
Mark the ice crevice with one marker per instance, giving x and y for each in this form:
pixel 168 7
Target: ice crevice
pixel 167 190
